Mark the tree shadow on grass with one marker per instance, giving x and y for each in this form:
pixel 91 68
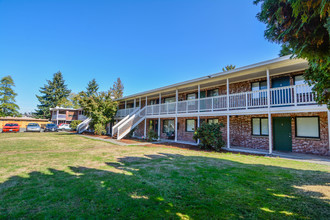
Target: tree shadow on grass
pixel 167 186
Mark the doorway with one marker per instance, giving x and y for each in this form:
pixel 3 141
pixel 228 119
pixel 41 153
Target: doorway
pixel 282 135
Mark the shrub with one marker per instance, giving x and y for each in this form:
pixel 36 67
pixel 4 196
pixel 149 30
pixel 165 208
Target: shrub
pixel 99 129
pixel 210 136
pixel 74 124
pixel 152 136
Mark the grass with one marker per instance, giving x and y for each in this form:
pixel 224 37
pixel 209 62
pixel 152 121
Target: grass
pixel 58 175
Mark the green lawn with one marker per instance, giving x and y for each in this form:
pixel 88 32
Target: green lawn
pixel 60 175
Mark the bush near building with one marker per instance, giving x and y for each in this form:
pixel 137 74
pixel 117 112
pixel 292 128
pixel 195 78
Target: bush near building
pixel 210 136
pixel 74 124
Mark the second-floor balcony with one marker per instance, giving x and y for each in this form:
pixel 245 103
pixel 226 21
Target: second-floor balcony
pixel 296 95
pixel 59 117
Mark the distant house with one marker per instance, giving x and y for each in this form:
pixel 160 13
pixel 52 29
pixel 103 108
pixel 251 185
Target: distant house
pixel 22 121
pixel 66 115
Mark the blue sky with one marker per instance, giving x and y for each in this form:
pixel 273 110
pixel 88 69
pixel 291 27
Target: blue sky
pixel 147 43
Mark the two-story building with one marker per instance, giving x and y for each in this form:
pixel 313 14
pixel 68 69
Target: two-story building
pixel 66 115
pixel 267 105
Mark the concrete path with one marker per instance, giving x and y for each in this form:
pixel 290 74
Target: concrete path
pixel 325 160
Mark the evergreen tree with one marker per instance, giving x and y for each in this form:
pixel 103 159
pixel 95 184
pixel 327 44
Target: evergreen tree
pixel 92 87
pixel 228 67
pixel 285 50
pixel 117 89
pixel 52 94
pixel 304 26
pixel 8 107
pixel 70 102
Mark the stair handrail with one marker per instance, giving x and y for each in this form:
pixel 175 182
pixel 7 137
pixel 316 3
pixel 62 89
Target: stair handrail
pixel 114 128
pixel 85 122
pixel 119 136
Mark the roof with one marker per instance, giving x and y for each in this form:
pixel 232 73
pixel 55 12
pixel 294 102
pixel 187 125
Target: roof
pixel 22 119
pixel 278 63
pixel 68 109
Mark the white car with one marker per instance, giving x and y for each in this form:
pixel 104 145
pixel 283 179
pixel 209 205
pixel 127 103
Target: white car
pixel 64 127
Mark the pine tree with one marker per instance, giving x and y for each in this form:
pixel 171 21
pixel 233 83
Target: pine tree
pixel 117 89
pixel 285 50
pixel 303 26
pixel 228 67
pixel 92 88
pixel 8 107
pixel 53 94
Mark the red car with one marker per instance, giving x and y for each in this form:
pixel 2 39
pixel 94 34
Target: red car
pixel 10 128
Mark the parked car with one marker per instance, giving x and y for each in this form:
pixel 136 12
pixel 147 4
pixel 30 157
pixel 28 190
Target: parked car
pixel 33 127
pixel 10 127
pixel 51 128
pixel 64 127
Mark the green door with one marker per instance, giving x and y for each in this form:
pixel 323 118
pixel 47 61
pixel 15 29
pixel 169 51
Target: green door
pixel 281 96
pixel 282 134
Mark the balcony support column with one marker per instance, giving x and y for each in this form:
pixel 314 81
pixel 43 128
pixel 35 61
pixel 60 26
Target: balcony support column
pixel 176 129
pixel 228 131
pixel 329 128
pixel 140 103
pixel 270 134
pixel 57 117
pixel 134 103
pixel 176 101
pixel 199 98
pixel 227 94
pixel 145 128
pixel 125 104
pixel 160 102
pixel 158 128
pixel 198 124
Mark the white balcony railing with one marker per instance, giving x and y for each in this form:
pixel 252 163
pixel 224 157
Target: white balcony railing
pixel 59 117
pixel 123 112
pixel 82 117
pixel 279 97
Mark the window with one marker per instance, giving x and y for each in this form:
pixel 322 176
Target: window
pixel 308 127
pixel 190 125
pixel 153 125
pixel 168 126
pixel 214 92
pixel 169 100
pixel 300 80
pixel 191 96
pixel 213 121
pixel 260 126
pixel 256 86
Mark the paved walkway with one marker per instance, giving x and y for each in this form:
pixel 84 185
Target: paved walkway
pixel 325 160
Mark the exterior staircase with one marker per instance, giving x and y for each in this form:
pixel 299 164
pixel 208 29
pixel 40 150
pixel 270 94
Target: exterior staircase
pixel 83 126
pixel 122 128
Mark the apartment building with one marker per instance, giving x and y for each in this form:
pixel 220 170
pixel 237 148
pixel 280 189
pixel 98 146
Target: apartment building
pixel 66 115
pixel 267 105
